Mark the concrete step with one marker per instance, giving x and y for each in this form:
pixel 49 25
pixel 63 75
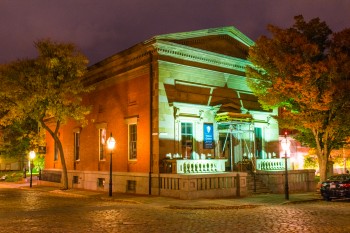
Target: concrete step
pixel 258 188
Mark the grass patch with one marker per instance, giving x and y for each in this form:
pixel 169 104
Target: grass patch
pixel 11 176
pixel 14 176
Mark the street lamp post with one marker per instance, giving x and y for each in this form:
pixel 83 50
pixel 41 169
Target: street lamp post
pixel 31 157
pixel 285 143
pixel 111 144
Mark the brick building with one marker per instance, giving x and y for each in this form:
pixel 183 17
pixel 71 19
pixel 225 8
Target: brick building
pixel 175 104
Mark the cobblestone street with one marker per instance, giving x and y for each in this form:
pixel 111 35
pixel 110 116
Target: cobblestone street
pixel 37 210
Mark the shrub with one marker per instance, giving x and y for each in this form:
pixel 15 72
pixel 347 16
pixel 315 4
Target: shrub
pixel 12 176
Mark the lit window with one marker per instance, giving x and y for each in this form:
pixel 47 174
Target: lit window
pixel 102 143
pixel 132 141
pixel 258 142
pixel 186 133
pixel 186 138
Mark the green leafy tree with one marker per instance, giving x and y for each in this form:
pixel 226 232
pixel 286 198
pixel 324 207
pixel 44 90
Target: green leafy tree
pixel 305 71
pixel 39 162
pixel 47 89
pixel 19 138
pixel 310 162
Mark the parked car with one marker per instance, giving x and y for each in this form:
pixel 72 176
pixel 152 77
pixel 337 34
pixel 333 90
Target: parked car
pixel 337 186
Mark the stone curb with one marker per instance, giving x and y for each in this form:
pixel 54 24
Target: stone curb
pixel 227 207
pixel 248 202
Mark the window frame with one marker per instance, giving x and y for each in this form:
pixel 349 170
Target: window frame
pixel 191 134
pixel 132 141
pixel 186 147
pixel 102 134
pixel 77 146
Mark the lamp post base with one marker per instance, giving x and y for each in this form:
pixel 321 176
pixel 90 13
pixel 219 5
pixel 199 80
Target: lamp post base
pixel 110 177
pixel 110 190
pixel 286 193
pixel 286 187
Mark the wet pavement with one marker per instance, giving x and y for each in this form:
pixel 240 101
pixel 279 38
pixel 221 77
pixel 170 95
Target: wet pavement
pixel 48 209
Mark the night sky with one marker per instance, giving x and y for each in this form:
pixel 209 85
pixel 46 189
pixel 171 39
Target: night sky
pixel 101 28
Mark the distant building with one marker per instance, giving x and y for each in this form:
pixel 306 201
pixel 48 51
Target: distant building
pixel 176 104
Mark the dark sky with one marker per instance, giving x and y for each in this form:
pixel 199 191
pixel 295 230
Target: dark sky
pixel 101 28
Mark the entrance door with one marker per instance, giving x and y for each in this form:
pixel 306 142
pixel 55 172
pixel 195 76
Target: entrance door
pixel 186 139
pixel 225 149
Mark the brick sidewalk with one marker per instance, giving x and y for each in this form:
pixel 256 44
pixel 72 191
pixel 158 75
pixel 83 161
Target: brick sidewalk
pixel 234 202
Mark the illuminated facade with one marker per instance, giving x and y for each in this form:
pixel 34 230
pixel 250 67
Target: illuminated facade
pixel 175 104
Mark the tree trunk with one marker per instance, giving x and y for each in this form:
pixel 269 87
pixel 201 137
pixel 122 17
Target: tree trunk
pixel 322 156
pixel 322 163
pixel 54 135
pixel 64 178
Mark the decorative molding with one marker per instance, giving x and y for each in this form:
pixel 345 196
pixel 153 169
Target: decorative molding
pixel 100 125
pixel 77 130
pixel 187 53
pixel 131 119
pixel 229 31
pixel 160 48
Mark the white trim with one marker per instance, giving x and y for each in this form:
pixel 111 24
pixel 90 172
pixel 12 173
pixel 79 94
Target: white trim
pixel 131 120
pixel 129 159
pixel 100 142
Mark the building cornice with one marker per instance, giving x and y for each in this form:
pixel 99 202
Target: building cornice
pixel 187 53
pixel 229 31
pixel 161 49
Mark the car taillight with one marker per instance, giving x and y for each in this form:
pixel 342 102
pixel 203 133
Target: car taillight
pixel 347 185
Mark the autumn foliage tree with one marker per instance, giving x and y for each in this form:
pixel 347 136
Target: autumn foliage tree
pixel 305 71
pixel 47 89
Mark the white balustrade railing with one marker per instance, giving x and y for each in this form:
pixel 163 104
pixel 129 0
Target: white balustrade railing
pixel 200 165
pixel 272 164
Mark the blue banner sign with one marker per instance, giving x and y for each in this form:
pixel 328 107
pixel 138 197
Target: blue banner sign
pixel 208 132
